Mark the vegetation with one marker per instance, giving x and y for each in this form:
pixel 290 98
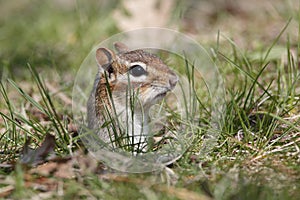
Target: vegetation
pixel 257 155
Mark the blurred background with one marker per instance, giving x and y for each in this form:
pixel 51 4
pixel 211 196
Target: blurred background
pixel 60 33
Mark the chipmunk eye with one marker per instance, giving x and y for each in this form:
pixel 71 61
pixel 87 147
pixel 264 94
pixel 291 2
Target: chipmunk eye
pixel 137 70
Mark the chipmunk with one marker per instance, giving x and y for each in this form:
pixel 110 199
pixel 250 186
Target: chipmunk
pixel 127 84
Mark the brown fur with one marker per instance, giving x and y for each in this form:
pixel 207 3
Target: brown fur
pixel 158 81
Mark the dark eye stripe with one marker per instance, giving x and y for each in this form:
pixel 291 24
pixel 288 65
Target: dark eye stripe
pixel 137 70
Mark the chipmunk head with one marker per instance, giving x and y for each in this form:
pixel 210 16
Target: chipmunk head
pixel 138 70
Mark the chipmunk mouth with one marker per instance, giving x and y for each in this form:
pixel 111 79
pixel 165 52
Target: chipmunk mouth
pixel 160 92
pixel 160 96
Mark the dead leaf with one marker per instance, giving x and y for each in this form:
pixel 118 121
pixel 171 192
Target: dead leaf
pixel 65 170
pixel 68 167
pixel 59 170
pixel 45 170
pixel 5 191
pixel 34 157
pixel 43 185
pixel 37 114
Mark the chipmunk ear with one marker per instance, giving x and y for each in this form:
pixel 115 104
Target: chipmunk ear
pixel 104 58
pixel 121 47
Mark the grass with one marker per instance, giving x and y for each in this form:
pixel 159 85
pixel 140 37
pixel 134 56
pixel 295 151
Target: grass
pixel 257 154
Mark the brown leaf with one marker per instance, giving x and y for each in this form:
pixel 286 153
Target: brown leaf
pixel 44 170
pixel 5 191
pixel 33 157
pixel 56 169
pixel 39 115
pixel 65 170
pixel 68 167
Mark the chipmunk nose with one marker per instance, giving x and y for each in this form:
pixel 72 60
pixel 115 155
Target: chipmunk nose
pixel 173 81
